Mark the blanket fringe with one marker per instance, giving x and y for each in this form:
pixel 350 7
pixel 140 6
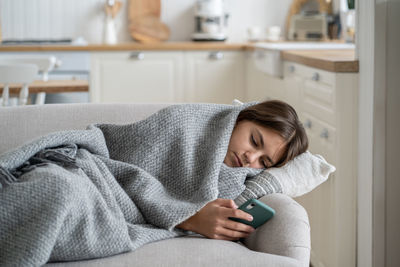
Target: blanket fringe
pixel 6 177
pixel 64 156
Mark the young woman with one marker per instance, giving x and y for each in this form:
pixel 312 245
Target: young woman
pixel 266 135
pixel 113 188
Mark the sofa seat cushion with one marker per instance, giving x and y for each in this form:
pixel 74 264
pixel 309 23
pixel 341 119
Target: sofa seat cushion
pixel 188 251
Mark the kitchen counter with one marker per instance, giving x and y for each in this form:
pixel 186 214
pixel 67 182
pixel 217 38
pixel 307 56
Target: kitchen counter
pixel 330 60
pixel 342 60
pixel 129 46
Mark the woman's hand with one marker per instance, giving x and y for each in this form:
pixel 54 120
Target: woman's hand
pixel 213 221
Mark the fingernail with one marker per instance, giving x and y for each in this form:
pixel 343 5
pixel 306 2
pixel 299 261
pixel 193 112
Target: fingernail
pixel 250 218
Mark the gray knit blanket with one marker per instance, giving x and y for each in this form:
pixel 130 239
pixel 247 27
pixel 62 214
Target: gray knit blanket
pixel 109 189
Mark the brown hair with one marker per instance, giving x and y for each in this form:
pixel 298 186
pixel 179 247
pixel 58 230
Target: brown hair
pixel 281 118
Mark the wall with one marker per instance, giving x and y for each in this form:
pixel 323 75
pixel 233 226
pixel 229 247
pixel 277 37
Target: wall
pixel 392 134
pixel 379 130
pixel 73 18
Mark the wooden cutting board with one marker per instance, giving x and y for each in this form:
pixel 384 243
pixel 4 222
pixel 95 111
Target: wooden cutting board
pixel 144 21
pixel 142 8
pixel 148 29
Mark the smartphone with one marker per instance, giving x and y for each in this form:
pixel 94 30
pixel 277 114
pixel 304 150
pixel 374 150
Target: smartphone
pixel 260 211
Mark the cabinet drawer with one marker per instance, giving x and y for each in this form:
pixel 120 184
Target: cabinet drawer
pixel 322 136
pixel 317 89
pixel 317 75
pixel 314 74
pixel 319 99
pixel 320 92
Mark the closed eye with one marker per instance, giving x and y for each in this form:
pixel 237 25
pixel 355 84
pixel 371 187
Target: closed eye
pixel 264 164
pixel 262 161
pixel 253 140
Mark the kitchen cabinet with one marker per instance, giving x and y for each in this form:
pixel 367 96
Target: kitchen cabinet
pixel 327 105
pixel 214 76
pixel 292 86
pixel 136 76
pixel 259 85
pixel 167 76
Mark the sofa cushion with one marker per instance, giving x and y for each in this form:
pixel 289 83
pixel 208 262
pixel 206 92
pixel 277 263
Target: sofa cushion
pixel 188 251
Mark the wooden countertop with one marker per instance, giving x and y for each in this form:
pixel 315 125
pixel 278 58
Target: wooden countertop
pixel 51 86
pixel 129 46
pixel 331 60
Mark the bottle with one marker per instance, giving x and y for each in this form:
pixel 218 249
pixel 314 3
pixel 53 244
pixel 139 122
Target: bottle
pixel 109 34
pixel 109 31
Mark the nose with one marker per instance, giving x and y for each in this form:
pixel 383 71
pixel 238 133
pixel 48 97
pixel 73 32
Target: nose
pixel 251 158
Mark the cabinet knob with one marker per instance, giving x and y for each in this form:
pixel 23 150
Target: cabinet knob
pixel 136 56
pixel 315 76
pixel 308 124
pixel 216 55
pixel 292 68
pixel 324 134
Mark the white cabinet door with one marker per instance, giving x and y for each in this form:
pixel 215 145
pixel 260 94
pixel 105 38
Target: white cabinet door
pixel 292 85
pixel 136 76
pixel 321 202
pixel 214 76
pixel 260 85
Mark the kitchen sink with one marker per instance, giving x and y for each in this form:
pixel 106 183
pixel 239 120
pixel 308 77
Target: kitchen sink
pixel 267 56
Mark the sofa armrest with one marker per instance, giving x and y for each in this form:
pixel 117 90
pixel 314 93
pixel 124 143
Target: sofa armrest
pixel 287 233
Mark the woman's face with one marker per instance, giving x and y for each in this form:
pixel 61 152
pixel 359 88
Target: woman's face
pixel 254 146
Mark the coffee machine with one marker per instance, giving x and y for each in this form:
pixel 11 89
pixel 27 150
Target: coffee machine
pixel 211 21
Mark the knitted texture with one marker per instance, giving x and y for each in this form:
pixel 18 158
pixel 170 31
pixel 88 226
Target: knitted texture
pixel 258 186
pixel 92 193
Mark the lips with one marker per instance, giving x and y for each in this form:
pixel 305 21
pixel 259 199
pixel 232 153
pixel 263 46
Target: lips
pixel 238 161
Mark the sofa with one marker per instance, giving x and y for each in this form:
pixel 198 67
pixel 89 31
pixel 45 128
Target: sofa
pixel 282 241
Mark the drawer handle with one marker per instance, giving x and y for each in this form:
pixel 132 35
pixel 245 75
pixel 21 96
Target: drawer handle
pixel 292 68
pixel 136 56
pixel 216 55
pixel 315 77
pixel 308 124
pixel 324 134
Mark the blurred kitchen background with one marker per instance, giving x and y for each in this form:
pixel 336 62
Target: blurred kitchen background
pixel 60 19
pixel 91 22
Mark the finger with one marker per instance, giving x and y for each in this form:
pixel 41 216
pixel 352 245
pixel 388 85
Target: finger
pixel 237 226
pixel 234 235
pixel 227 203
pixel 237 213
